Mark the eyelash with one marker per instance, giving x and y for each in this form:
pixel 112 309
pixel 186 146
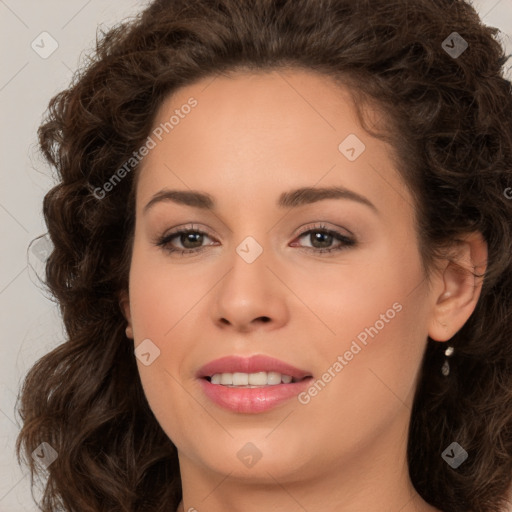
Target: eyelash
pixel 346 241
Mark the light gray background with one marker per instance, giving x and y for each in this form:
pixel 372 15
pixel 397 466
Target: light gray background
pixel 29 322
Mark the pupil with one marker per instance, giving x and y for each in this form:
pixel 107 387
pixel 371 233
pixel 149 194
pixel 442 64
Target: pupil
pixel 326 242
pixel 191 237
pixel 324 239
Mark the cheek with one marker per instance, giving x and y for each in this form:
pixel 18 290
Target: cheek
pixel 161 294
pixel 376 311
pixel 366 289
pixel 160 301
pixel 375 361
pixel 164 301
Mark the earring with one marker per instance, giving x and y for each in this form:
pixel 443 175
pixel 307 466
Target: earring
pixel 445 369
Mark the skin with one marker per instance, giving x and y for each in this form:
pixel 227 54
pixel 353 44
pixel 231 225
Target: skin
pixel 251 137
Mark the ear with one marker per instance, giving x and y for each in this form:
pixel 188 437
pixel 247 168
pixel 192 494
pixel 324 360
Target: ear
pixel 124 303
pixel 460 289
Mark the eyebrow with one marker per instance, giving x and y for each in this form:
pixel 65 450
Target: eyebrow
pixel 290 199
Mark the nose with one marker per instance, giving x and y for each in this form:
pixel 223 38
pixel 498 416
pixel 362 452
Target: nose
pixel 250 296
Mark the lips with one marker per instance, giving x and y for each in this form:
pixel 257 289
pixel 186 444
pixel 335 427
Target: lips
pixel 256 399
pixel 253 364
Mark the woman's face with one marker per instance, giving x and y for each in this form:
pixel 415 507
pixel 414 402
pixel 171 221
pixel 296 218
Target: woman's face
pixel 256 282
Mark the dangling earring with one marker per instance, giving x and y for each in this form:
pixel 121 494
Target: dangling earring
pixel 445 369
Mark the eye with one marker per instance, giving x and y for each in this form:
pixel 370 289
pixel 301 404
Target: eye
pixel 321 239
pixel 191 241
pixel 188 241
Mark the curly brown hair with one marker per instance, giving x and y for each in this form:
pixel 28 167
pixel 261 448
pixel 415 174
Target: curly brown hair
pixel 450 121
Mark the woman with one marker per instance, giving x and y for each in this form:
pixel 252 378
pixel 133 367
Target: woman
pixel 282 252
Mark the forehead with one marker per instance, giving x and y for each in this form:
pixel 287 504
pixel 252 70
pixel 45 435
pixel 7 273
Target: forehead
pixel 255 131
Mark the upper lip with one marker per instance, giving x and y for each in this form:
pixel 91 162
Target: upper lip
pixel 253 364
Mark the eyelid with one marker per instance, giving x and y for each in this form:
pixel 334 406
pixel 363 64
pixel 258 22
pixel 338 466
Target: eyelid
pixel 324 226
pixel 186 228
pixel 345 240
pixel 318 225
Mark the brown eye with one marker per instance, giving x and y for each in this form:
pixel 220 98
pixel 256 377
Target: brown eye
pixel 184 241
pixel 321 240
pixel 191 240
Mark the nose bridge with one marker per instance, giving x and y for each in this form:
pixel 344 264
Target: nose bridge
pixel 249 291
pixel 249 275
pixel 250 250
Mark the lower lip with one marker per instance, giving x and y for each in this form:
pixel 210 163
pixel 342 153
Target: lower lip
pixel 252 400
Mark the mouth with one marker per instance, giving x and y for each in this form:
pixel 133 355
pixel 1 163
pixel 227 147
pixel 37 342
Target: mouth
pixel 257 370
pixel 251 385
pixel 261 379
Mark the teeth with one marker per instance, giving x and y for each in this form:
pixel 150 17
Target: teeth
pixel 250 379
pixel 226 379
pixel 257 379
pixel 240 379
pixel 273 378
